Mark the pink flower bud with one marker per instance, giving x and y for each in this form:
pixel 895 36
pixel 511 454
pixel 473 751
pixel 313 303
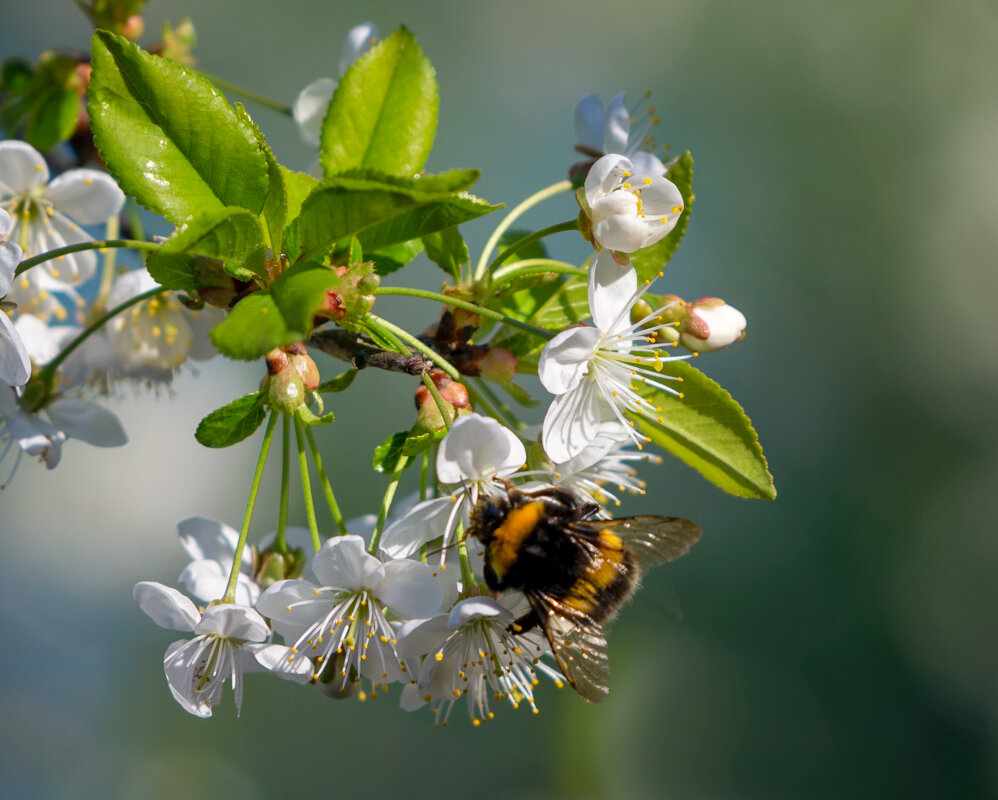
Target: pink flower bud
pixel 711 324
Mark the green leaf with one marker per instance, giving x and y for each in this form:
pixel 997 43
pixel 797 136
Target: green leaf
pixel 305 414
pixel 298 185
pixel 169 137
pixel 394 257
pixel 173 270
pixel 252 328
pixel 274 215
pixel 338 383
pixel 228 234
pixel 232 423
pixel 388 454
pixel 384 112
pixel 651 260
pixel 415 444
pixel 535 249
pixel 708 430
pixel 425 219
pixel 53 119
pixel 367 207
pixel 447 250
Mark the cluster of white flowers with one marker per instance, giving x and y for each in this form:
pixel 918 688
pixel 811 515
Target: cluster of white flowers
pixel 368 611
pixel 43 310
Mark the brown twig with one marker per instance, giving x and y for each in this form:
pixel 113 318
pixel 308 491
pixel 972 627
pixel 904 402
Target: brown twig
pixel 360 352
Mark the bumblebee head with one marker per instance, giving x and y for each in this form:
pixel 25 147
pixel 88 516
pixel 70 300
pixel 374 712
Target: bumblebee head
pixel 486 516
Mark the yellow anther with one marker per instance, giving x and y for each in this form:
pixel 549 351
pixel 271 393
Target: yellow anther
pixel 439 656
pixel 647 181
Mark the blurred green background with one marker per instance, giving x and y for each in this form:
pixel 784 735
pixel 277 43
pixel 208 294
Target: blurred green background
pixel 840 642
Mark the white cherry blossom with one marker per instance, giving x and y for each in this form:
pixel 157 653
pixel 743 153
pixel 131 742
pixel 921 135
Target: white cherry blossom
pixel 67 417
pixel 629 209
pixel 600 130
pixel 470 652
pixel 47 215
pixel 476 450
pixel 230 639
pixel 711 324
pixel 594 371
pixel 15 366
pixel 340 623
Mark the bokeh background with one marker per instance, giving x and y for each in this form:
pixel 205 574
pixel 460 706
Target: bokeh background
pixel 839 642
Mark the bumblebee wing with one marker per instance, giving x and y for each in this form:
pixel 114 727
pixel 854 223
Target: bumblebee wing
pixel 578 644
pixel 652 540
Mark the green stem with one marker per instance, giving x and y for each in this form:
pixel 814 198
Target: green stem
pixel 411 340
pixel 280 542
pixel 306 485
pixel 49 369
pixel 327 488
pixel 534 266
pixel 512 216
pixel 135 244
pixel 386 503
pixel 237 559
pixel 479 400
pixel 467 574
pixel 424 474
pixel 259 99
pixel 441 405
pixel 458 303
pixel 529 239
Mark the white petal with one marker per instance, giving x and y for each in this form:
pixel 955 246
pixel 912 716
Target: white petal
pixel 589 122
pixel 608 435
pixel 87 422
pixel 15 365
pixel 475 608
pixel 417 637
pixel 477 448
pixel 87 196
pixel 71 269
pixel 344 562
pixel 425 522
pixel 310 108
pixel 179 664
pixel 10 257
pixel 167 607
pixel 647 163
pixel 412 698
pixel 292 605
pixel 231 621
pixel 612 290
pixel 617 127
pixel 409 589
pixel 360 39
pixel 6 223
pixel 565 359
pixel 606 173
pixel 202 538
pixel 281 661
pixel 572 422
pixel 208 579
pixel 22 168
pixel 130 284
pixel 43 342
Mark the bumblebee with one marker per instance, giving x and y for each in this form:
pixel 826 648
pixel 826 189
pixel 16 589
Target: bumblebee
pixel 575 570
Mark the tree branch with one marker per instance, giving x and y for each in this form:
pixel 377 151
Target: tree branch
pixel 360 352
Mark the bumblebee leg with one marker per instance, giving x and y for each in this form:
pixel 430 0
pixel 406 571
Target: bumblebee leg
pixel 527 622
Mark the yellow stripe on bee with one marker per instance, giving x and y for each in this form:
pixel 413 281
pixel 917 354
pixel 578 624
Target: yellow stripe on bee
pixel 508 538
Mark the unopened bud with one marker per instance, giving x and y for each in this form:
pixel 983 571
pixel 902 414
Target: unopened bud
pixel 285 391
pixel 277 361
pixel 455 401
pixel 456 394
pixel 499 365
pixel 276 566
pixel 307 371
pixel 133 27
pixel 711 324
